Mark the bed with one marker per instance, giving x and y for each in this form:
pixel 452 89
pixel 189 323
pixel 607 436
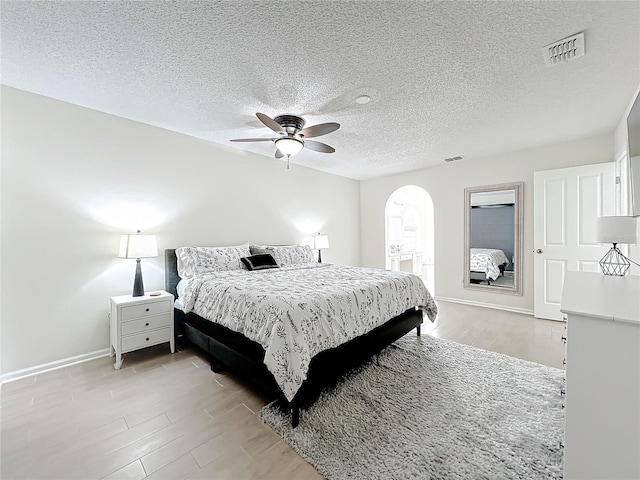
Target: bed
pixel 288 330
pixel 487 264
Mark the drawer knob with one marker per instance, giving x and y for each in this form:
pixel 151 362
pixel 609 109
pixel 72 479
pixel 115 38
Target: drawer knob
pixel 146 324
pixel 147 339
pixel 147 310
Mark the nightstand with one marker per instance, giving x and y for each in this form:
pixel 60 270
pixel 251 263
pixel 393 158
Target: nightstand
pixel 140 322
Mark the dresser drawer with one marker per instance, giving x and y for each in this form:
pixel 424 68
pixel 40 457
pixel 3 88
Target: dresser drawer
pixel 141 340
pixel 145 309
pixel 146 324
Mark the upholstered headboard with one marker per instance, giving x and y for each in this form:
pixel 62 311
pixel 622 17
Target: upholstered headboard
pixel 171 277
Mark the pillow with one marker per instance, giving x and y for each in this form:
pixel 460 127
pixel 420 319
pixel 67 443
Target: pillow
pixel 286 254
pixel 260 262
pixel 200 260
pixel 262 249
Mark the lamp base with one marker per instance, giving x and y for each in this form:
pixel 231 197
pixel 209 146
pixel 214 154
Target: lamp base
pixel 138 287
pixel 614 262
pixel 319 256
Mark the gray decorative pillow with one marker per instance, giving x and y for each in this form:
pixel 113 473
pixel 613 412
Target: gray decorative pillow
pixel 259 250
pixel 286 254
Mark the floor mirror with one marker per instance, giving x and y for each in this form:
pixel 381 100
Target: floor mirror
pixel 493 238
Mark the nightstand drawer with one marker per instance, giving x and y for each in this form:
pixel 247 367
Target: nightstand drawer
pixel 145 309
pixel 145 324
pixel 142 340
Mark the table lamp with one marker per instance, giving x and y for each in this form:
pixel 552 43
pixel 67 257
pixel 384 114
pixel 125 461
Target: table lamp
pixel 138 246
pixel 318 243
pixel 616 230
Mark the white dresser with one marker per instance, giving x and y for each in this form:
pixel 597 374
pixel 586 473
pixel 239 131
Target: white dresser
pixel 602 425
pixel 139 322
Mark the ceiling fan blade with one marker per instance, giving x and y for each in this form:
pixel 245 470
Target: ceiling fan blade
pixel 318 146
pixel 261 139
pixel 279 154
pixel 270 122
pixel 318 130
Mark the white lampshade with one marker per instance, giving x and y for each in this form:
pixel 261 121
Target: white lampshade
pixel 289 146
pixel 616 230
pixel 320 241
pixel 138 246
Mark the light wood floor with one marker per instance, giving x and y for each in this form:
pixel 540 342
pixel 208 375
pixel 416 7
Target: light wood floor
pixel 168 416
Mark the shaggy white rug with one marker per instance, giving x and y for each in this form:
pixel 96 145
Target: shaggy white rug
pixel 430 408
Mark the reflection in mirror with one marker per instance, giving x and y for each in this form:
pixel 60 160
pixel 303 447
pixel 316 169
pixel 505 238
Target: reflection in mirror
pixel 493 238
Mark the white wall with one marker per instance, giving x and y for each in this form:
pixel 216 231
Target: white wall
pixel 446 186
pixel 74 179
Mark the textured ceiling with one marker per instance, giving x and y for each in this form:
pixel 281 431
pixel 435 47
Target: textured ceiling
pixel 445 78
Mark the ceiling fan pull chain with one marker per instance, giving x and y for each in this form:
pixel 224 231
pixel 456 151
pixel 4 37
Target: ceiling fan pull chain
pixel 288 157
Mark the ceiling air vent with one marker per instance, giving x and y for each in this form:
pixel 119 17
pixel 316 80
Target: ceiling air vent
pixel 453 159
pixel 564 50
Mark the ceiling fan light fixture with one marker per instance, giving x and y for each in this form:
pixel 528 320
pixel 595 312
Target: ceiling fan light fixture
pixel 291 131
pixel 289 146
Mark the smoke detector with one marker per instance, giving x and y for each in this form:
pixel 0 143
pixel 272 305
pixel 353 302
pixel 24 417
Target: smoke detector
pixel 564 50
pixel 453 159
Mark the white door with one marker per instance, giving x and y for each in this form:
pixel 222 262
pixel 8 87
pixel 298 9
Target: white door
pixel 566 203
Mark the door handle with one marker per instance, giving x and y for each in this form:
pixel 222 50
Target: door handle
pixel 538 251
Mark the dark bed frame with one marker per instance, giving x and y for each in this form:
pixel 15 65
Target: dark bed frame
pixel 479 277
pixel 246 357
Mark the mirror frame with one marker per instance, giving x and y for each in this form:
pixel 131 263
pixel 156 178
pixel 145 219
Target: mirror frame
pixel 518 238
pixel 633 157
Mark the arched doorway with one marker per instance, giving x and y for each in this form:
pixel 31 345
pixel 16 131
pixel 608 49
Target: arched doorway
pixel 409 238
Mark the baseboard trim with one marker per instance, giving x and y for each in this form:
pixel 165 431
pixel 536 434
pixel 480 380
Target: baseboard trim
pixel 524 311
pixel 46 367
pixel 86 357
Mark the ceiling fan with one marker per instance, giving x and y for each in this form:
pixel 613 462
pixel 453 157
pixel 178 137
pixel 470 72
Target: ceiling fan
pixel 292 135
